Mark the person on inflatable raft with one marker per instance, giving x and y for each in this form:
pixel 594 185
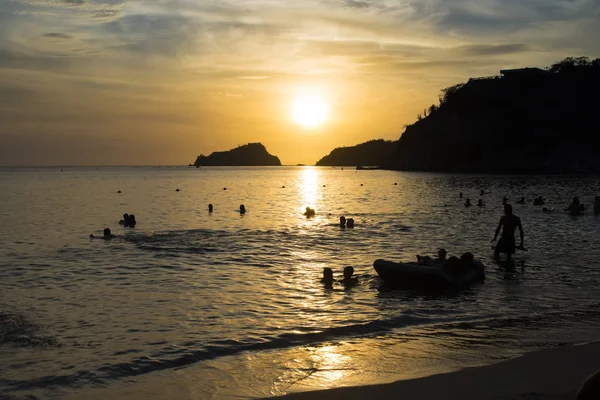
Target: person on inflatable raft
pixel 453 266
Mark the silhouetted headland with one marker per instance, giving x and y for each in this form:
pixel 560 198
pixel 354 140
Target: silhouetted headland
pixel 251 154
pixel 525 120
pixel 371 153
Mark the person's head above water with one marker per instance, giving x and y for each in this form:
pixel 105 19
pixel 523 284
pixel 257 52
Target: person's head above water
pixel 348 272
pixel 131 219
pixel 576 200
pixel 125 217
pixel 508 209
pixel 107 232
pixel 442 254
pixel 342 221
pixel 327 274
pixel 242 208
pixel 210 207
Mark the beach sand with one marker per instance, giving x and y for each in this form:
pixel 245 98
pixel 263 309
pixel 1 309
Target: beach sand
pixel 554 374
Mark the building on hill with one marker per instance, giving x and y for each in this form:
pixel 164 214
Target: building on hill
pixel 524 73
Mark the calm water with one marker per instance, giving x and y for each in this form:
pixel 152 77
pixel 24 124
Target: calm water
pixel 194 305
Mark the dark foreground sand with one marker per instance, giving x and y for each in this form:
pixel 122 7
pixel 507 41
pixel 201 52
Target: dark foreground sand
pixel 549 374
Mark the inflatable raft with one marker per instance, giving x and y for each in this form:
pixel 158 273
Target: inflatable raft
pixel 413 275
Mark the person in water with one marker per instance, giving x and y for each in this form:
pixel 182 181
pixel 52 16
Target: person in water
pixel 468 202
pixel 242 209
pixel 539 201
pixel 210 208
pixel 460 195
pixel 508 223
pixel 575 208
pixel 348 278
pixel 480 203
pixel 350 223
pixel 342 222
pixel 107 235
pixel 327 278
pixel 309 212
pixel 131 221
pixel 521 200
pixel 125 219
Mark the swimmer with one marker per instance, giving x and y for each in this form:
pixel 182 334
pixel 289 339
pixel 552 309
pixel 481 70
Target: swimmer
pixel 131 221
pixel 107 235
pixel 350 223
pixel 210 208
pixel 521 200
pixel 539 201
pixel 342 222
pixel 481 192
pixel 480 203
pixel 348 278
pixel 242 209
pixel 327 278
pixel 460 195
pixel 125 219
pixel 309 212
pixel 468 203
pixel 575 208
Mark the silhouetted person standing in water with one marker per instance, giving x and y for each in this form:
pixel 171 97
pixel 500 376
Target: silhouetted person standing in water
pixel 508 223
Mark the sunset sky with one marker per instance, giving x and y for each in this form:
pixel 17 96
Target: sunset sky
pixel 110 82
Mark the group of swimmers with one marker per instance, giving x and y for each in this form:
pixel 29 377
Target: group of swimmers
pixel 346 223
pixel 128 221
pixel 575 208
pixel 348 279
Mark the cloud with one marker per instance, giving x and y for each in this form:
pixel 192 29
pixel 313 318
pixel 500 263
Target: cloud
pixel 493 49
pixel 58 35
pixel 357 3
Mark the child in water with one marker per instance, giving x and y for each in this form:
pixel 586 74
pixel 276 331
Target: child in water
pixel 348 278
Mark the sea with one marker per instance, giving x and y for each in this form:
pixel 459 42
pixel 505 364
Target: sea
pixel 197 305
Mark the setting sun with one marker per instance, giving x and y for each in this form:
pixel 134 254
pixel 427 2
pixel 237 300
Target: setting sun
pixel 309 111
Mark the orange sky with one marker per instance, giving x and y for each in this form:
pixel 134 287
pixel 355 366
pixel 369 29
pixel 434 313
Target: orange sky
pixel 119 82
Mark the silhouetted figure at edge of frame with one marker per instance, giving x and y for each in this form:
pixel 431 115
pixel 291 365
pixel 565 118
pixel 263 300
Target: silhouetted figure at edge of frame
pixel 508 223
pixel 590 390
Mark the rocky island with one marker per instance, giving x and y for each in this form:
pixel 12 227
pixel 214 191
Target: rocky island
pixel 251 155
pixel 526 120
pixel 371 153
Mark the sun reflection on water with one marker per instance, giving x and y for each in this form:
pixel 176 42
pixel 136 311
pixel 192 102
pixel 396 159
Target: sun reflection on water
pixel 309 186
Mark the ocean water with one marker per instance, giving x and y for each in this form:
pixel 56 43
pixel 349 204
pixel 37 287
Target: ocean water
pixel 192 305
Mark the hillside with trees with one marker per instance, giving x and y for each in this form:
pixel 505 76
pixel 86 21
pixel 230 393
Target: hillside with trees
pixel 371 153
pixel 526 120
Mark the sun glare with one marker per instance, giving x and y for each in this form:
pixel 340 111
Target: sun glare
pixel 309 111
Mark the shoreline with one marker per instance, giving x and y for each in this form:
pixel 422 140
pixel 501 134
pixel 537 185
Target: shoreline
pixel 552 374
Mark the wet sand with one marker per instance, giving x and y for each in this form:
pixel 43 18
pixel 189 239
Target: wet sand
pixel 554 374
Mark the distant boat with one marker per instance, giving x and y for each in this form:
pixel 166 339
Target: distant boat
pixel 360 167
pixel 300 165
